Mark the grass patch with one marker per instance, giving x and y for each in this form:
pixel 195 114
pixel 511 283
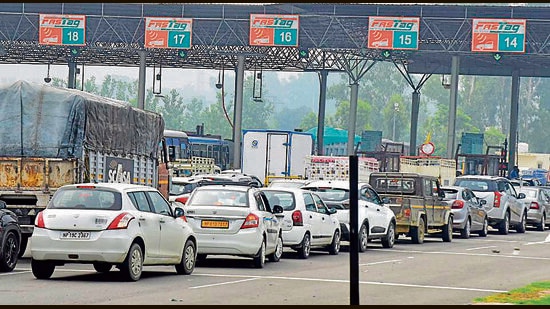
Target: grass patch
pixel 536 293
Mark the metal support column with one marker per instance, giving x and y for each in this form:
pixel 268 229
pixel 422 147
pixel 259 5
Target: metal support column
pixel 238 112
pixel 352 117
pixel 414 121
pixel 452 107
pixel 322 105
pixel 514 111
pixel 71 84
pixel 141 80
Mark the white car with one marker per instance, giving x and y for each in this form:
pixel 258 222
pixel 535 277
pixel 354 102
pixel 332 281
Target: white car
pixel 181 188
pixel 376 221
pixel 108 224
pixel 287 183
pixel 308 222
pixel 235 220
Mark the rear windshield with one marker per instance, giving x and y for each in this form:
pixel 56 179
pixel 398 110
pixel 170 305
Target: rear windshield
pixel 281 198
pixel 450 193
pixel 330 194
pixel 218 198
pixel 182 188
pixel 88 198
pixel 479 185
pixel 397 185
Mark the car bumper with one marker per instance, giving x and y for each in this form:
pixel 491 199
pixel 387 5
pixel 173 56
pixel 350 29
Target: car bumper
pixel 245 242
pixel 293 237
pixel 534 216
pixel 459 220
pixel 103 246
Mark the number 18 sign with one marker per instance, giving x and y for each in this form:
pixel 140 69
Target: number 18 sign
pixel 274 30
pixel 393 32
pixel 168 32
pixel 62 30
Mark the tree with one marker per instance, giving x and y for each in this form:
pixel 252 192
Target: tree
pixel 172 110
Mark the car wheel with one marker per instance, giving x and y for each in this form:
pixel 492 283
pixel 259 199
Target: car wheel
pixel 305 247
pixel 259 259
pixel 133 263
pixel 363 238
pixel 334 247
pixel 42 269
pixel 447 235
pixel 187 263
pixel 417 232
pixel 102 267
pixel 389 240
pixel 540 226
pixel 10 250
pixel 504 226
pixel 522 226
pixel 23 245
pixel 276 256
pixel 465 232
pixel 485 229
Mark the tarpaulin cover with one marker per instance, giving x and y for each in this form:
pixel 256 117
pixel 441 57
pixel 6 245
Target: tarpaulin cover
pixel 45 121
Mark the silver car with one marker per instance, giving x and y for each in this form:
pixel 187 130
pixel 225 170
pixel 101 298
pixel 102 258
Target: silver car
pixel 537 201
pixel 468 212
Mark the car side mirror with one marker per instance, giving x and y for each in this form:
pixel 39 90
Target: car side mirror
pixel 386 200
pixel 332 210
pixel 521 195
pixel 482 202
pixel 277 209
pixel 178 212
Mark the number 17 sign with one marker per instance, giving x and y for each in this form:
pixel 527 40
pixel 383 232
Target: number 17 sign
pixel 168 32
pixel 393 32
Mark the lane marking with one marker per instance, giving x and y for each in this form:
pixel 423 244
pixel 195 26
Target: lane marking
pixel 469 254
pixel 361 282
pixel 478 248
pixel 15 272
pixel 223 283
pixel 381 262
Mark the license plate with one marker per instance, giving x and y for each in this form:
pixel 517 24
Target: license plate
pixel 75 235
pixel 215 224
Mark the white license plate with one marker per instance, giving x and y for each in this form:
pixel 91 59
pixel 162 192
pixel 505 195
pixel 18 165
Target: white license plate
pixel 75 235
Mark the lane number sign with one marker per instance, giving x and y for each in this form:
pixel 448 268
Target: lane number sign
pixel 274 30
pixel 168 32
pixel 393 32
pixel 62 30
pixel 498 35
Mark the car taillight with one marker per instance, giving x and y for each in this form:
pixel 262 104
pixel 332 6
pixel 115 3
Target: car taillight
pixel 39 221
pixel 497 199
pixel 297 219
pixel 407 212
pixel 251 221
pixel 182 199
pixel 457 204
pixel 121 221
pixel 534 205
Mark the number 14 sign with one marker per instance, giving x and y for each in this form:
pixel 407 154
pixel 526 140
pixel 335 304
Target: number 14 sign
pixel 498 35
pixel 393 32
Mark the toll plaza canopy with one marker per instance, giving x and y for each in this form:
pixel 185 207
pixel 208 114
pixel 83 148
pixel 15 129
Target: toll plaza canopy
pixel 328 34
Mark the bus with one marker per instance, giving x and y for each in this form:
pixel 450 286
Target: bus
pixel 218 149
pixel 177 143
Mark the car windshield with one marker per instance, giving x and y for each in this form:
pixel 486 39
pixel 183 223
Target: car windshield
pixel 182 188
pixel 450 193
pixel 330 194
pixel 86 198
pixel 286 184
pixel 474 184
pixel 219 198
pixel 281 198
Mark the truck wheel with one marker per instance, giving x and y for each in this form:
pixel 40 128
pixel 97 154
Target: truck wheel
pixel 42 269
pixel 363 238
pixel 389 240
pixel 521 227
pixel 465 232
pixel 447 234
pixel 504 226
pixel 23 245
pixel 417 232
pixel 9 252
pixel 485 229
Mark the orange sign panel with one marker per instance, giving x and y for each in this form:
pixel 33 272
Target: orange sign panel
pixel 168 32
pixel 62 30
pixel 498 35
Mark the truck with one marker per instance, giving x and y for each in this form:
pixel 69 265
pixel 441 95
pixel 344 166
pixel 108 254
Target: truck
pixel 337 168
pixel 50 137
pixel 275 153
pixel 443 169
pixel 418 203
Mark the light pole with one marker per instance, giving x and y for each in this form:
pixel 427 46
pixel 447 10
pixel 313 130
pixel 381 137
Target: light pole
pixel 395 110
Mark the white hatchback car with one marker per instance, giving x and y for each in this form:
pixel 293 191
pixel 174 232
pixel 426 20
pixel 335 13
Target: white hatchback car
pixel 235 220
pixel 308 222
pixel 110 224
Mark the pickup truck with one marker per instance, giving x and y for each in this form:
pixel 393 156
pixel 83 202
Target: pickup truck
pixel 418 203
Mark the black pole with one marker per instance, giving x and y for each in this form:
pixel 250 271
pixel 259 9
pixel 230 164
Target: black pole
pixel 353 225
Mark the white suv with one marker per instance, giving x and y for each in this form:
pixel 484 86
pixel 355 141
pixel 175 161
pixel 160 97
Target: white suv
pixel 308 222
pixel 503 206
pixel 376 221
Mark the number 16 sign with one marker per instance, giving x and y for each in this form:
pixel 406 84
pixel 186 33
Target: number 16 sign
pixel 274 30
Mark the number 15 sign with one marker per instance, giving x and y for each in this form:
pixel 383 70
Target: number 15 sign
pixel 393 32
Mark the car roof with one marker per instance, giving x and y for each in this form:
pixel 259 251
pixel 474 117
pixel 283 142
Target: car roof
pixel 486 177
pixel 331 183
pixel 287 189
pixel 116 186
pixel 224 187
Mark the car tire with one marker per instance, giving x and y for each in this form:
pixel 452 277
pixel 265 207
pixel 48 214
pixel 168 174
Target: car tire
pixel 485 229
pixel 541 225
pixel 389 240
pixel 504 226
pixel 42 269
pixel 23 245
pixel 9 252
pixel 417 232
pixel 305 247
pixel 102 267
pixel 363 238
pixel 465 232
pixel 334 247
pixel 188 259
pixel 132 266
pixel 447 234
pixel 522 225
pixel 276 256
pixel 259 259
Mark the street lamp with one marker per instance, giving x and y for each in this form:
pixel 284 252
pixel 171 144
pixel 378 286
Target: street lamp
pixel 395 110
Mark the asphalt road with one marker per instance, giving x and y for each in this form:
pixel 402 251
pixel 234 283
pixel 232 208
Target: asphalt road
pixel 408 274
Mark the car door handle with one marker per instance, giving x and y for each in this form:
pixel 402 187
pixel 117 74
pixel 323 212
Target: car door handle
pixel 162 221
pixel 141 219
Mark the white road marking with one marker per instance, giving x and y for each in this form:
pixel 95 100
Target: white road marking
pixel 361 282
pixel 469 254
pixel 15 273
pixel 223 283
pixel 479 248
pixel 381 262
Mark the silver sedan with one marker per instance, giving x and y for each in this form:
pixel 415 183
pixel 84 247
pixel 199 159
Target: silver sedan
pixel 537 200
pixel 468 212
